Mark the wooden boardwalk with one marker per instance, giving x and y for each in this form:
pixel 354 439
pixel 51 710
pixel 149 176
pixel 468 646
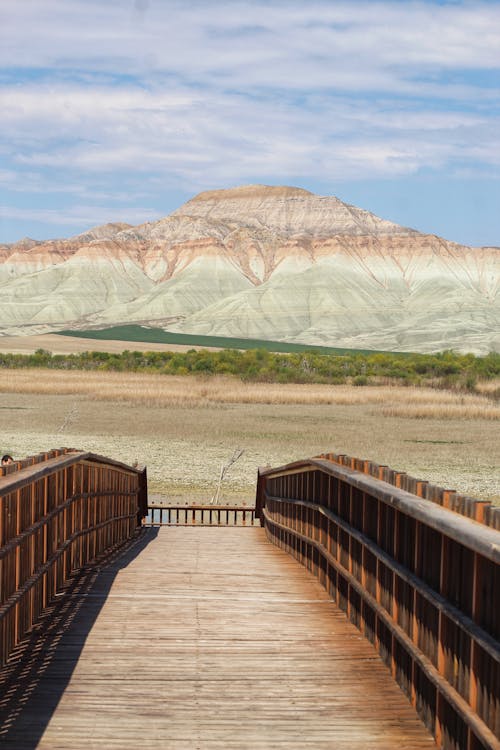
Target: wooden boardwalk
pixel 202 638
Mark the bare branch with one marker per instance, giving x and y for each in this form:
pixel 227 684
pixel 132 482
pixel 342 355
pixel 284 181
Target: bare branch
pixel 223 471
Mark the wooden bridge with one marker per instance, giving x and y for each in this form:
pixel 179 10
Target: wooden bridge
pixel 126 626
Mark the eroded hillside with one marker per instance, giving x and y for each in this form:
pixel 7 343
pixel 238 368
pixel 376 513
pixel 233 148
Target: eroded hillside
pixel 262 262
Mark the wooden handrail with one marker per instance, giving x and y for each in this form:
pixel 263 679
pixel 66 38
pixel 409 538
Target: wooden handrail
pixel 453 698
pixel 58 514
pixel 420 581
pixel 471 507
pixel 200 515
pixel 464 530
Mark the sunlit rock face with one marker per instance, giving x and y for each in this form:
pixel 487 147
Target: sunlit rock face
pixel 261 262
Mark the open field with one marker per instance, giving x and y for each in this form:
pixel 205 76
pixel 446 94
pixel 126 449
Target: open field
pixel 137 338
pixel 74 345
pixel 185 428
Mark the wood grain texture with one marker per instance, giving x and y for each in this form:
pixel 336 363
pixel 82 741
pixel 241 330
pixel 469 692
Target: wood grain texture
pixel 202 638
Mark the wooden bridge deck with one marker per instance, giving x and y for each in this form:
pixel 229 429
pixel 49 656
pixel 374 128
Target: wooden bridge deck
pixel 201 638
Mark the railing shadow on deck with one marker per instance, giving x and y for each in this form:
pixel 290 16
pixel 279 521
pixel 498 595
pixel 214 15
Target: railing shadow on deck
pixel 63 515
pixel 36 674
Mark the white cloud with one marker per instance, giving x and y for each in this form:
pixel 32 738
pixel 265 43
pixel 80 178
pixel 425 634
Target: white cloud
pixel 89 215
pixel 290 45
pixel 183 134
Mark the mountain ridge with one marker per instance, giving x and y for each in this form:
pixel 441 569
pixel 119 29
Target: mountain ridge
pixel 267 262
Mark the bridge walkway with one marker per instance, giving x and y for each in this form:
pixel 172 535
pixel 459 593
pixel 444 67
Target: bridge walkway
pixel 201 638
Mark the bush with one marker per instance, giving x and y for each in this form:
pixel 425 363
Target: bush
pixel 360 380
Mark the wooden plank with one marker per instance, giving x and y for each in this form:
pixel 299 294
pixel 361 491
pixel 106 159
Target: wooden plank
pixel 202 638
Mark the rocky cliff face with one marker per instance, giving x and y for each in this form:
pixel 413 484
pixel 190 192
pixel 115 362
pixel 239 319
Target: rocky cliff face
pixel 261 262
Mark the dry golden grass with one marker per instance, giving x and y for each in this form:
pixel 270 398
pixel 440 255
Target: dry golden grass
pixel 169 390
pixel 489 387
pixel 444 411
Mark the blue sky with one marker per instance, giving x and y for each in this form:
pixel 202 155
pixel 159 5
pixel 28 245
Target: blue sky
pixel 121 110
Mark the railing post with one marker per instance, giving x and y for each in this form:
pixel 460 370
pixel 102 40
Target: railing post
pixel 260 495
pixel 142 495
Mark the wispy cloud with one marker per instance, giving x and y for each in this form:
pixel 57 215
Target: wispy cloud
pixel 77 215
pixel 260 44
pixel 109 98
pixel 180 132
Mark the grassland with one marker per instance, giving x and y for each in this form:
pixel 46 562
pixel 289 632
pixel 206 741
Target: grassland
pixel 153 390
pixel 184 428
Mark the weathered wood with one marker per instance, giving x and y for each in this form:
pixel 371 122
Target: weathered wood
pixel 209 638
pixel 434 675
pixel 477 538
pixel 419 580
pixel 480 510
pixel 203 515
pixel 55 516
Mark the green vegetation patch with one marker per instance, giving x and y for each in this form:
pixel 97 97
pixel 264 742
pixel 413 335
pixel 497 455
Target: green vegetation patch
pixel 159 336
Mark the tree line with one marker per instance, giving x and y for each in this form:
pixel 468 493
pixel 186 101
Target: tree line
pixel 447 368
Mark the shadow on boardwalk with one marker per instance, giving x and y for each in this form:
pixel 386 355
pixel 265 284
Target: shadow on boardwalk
pixel 36 674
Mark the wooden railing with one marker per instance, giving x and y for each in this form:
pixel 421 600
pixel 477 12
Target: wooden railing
pixel 200 515
pixel 59 511
pixel 472 507
pixel 421 582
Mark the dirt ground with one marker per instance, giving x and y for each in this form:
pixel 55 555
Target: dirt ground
pixel 184 447
pixel 73 345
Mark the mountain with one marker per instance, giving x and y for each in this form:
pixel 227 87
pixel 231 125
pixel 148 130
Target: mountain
pixel 263 262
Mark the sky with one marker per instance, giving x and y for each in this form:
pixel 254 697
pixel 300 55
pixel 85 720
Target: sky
pixel 121 110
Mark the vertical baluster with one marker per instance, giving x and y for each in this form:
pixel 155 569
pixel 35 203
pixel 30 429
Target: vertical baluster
pixel 476 589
